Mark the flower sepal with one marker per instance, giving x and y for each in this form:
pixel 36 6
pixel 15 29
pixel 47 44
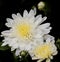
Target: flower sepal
pixel 25 57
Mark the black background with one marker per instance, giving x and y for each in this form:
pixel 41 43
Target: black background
pixel 7 7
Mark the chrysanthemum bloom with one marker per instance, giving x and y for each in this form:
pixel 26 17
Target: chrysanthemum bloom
pixel 46 50
pixel 26 31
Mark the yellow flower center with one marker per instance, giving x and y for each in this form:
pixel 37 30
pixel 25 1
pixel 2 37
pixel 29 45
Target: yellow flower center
pixel 43 51
pixel 24 30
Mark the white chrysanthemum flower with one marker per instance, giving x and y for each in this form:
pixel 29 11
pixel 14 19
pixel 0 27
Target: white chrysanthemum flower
pixel 25 31
pixel 46 50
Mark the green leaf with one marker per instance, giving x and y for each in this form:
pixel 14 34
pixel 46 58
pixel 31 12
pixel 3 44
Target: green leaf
pixel 23 57
pixel 15 57
pixel 58 43
pixel 3 47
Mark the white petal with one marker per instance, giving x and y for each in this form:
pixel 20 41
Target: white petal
pixel 9 20
pixel 4 44
pixel 13 42
pixel 6 33
pixel 14 46
pixel 34 58
pixel 44 18
pixel 55 53
pixel 12 49
pixel 18 15
pixel 38 35
pixel 51 57
pixel 40 20
pixel 17 52
pixel 40 60
pixel 48 60
pixel 9 23
pixel 31 13
pixel 25 14
pixel 14 16
pixel 44 26
pixel 35 10
pixel 46 31
pixel 49 38
pixel 37 17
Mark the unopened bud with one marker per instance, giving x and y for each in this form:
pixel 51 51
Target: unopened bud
pixel 41 5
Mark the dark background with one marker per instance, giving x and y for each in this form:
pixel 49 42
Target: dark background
pixel 7 7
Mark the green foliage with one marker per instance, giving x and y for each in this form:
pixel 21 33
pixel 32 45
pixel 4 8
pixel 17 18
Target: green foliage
pixel 25 57
pixel 3 47
pixel 58 43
